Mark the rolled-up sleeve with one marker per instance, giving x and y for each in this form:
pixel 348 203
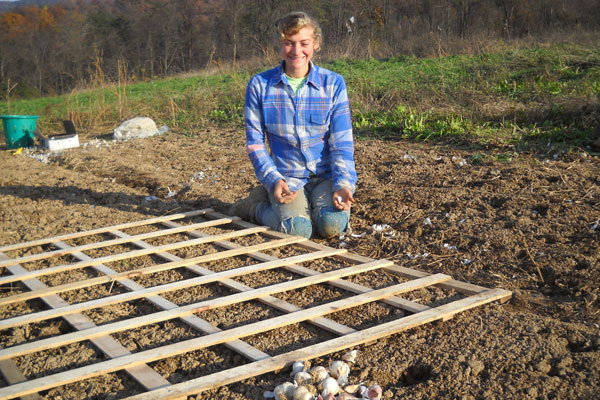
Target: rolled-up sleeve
pixel 341 142
pixel 264 168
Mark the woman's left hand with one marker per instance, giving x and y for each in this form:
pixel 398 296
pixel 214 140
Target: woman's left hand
pixel 343 199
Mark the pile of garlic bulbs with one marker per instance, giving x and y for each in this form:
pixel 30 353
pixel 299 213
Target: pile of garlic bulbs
pixel 320 383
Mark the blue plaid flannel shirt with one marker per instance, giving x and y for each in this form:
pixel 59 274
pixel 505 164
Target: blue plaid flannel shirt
pixel 309 132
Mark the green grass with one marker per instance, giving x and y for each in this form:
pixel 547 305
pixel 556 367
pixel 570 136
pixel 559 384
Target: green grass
pixel 518 96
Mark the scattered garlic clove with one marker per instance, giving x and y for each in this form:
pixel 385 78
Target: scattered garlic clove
pixel 351 388
pixel 374 392
pixel 328 397
pixel 303 378
pixel 268 395
pixel 350 356
pixel 330 386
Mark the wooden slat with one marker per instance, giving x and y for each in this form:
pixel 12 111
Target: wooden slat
pixel 234 298
pixel 131 254
pixel 123 297
pixel 126 225
pixel 461 287
pixel 119 276
pixel 142 373
pixel 89 371
pixel 199 385
pixel 114 242
pixel 13 375
pixel 300 270
pixel 171 313
pixel 197 323
pixel 323 323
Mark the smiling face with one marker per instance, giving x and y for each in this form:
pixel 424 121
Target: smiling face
pixel 297 51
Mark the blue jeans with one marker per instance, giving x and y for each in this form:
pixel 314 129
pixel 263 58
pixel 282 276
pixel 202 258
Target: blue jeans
pixel 312 211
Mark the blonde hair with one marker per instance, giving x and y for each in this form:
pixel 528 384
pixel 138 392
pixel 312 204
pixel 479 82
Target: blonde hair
pixel 292 23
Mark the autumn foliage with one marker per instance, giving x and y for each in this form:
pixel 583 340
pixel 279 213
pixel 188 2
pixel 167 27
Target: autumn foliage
pixel 53 49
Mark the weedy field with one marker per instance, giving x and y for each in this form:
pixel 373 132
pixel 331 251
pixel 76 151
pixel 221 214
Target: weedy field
pixel 516 95
pixel 476 166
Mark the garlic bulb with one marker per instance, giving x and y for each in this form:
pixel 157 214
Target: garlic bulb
pixel 298 366
pixel 330 386
pixel 350 356
pixel 285 391
pixel 302 393
pixel 374 392
pixel 303 378
pixel 318 375
pixel 340 371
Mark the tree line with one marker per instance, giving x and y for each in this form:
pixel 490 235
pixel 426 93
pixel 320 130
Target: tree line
pixel 56 48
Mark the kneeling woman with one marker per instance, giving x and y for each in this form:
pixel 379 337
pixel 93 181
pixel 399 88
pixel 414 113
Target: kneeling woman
pixel 308 178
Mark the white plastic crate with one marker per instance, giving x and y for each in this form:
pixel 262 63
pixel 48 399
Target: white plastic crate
pixel 58 142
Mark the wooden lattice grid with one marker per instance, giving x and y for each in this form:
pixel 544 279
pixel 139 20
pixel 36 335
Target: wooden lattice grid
pixel 69 258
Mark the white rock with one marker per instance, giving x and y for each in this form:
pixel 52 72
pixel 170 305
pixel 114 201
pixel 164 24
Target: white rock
pixel 139 127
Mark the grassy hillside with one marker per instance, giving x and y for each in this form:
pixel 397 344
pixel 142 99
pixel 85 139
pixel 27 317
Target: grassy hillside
pixel 515 96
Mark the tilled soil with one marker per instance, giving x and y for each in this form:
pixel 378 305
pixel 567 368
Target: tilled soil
pixel 526 222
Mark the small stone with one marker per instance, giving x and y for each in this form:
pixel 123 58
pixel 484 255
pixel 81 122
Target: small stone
pixel 565 363
pixel 476 366
pixel 417 231
pixel 532 392
pixel 543 366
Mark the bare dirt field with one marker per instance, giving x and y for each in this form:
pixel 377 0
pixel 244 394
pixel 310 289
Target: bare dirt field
pixel 526 222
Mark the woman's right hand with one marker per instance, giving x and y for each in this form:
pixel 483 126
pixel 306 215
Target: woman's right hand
pixel 282 192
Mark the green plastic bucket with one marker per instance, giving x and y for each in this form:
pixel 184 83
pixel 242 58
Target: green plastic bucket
pixel 18 130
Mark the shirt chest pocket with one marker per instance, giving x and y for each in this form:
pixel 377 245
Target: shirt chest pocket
pixel 316 123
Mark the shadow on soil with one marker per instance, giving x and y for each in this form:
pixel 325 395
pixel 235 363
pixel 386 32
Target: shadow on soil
pixel 150 205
